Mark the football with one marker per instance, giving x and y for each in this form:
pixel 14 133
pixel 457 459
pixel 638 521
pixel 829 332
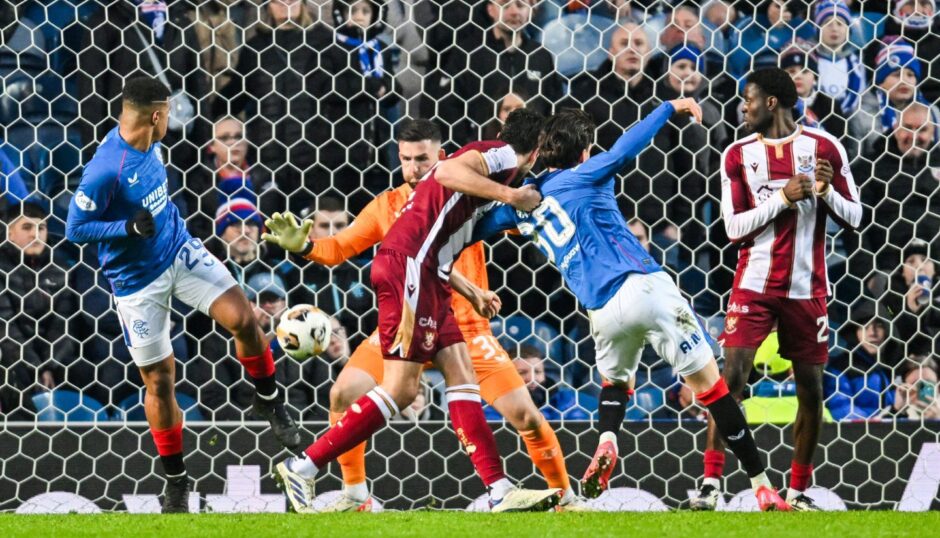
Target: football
pixel 304 331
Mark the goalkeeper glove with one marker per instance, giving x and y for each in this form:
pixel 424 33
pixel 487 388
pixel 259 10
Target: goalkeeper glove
pixel 141 225
pixel 285 232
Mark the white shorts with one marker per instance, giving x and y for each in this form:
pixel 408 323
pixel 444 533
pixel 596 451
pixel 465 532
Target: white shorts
pixel 648 308
pixel 196 277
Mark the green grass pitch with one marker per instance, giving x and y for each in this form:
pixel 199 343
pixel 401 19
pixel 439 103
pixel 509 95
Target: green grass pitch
pixel 465 525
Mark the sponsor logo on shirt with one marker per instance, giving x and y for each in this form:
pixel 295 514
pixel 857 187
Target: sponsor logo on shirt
pixel 156 199
pixel 84 202
pixel 132 180
pixel 735 308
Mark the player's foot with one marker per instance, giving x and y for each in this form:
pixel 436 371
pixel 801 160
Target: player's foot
pixel 803 503
pixel 575 504
pixel 597 476
pixel 299 490
pixel 283 426
pixel 770 501
pixel 527 500
pixel 344 503
pixel 176 495
pixel 706 500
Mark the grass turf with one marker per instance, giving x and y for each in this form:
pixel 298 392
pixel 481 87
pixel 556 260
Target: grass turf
pixel 465 525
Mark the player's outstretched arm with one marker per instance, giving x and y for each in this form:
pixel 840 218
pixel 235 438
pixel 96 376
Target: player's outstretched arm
pixel 485 302
pixel 467 173
pixel 498 219
pixel 85 222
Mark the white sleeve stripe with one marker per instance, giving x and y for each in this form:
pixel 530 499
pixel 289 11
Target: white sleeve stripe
pixel 500 159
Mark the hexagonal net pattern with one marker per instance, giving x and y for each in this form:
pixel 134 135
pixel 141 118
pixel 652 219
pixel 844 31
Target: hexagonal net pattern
pixel 292 105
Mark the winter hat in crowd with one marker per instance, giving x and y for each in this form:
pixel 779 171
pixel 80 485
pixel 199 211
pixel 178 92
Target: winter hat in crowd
pixel 914 20
pixel 687 52
pixel 832 8
pixel 234 211
pixel 893 56
pixel 267 286
pixel 915 247
pixel 798 54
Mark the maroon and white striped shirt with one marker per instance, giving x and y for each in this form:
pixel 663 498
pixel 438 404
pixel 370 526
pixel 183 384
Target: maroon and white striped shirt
pixel 783 246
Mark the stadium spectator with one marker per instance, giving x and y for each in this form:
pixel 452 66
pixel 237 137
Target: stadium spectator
pixel 857 381
pixel 222 28
pixel 493 61
pixel 512 101
pixel 341 290
pixel 224 174
pixel 37 302
pixel 421 408
pixel 614 93
pixel 899 187
pixel 916 22
pixel 683 28
pixel 772 25
pixel 37 118
pixel 13 189
pixel 841 73
pixel 916 393
pixel 913 297
pixel 818 109
pixel 897 78
pixel 269 295
pixel 155 38
pixel 288 102
pixel 553 399
pixel 718 17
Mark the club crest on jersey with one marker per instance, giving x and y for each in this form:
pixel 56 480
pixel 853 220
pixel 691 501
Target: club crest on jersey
pixel 731 324
pixel 805 163
pixel 428 343
pixel 84 202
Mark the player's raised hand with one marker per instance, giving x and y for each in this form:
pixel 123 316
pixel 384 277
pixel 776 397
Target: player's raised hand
pixel 687 106
pixel 285 232
pixel 824 175
pixel 526 198
pixel 798 187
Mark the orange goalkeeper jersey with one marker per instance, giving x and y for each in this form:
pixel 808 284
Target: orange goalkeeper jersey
pixel 370 227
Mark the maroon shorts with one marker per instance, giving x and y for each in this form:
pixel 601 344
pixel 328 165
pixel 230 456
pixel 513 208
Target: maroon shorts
pixel 802 325
pixel 415 317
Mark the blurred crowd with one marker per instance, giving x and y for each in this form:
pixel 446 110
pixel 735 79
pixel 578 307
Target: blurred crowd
pixel 293 105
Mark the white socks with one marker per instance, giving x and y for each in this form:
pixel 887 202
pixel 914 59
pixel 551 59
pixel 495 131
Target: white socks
pixel 793 494
pixel 303 466
pixel 713 482
pixel 500 488
pixel 357 492
pixel 608 436
pixel 760 480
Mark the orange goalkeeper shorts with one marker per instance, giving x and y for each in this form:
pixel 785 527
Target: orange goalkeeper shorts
pixel 495 372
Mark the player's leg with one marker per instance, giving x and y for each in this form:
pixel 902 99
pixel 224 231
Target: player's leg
pixel 202 282
pixel 804 338
pixel 466 415
pixel 503 388
pixel 360 375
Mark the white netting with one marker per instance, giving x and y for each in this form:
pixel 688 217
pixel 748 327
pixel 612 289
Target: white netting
pixel 311 119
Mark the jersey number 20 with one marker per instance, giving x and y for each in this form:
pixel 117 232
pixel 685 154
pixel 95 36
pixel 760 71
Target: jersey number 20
pixel 553 224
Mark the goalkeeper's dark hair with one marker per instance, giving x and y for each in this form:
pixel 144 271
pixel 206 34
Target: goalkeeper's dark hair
pixel 775 82
pixel 521 130
pixel 564 138
pixel 419 129
pixel 143 91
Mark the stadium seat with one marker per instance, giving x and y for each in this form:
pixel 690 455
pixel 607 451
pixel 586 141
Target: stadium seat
pixel 645 403
pixel 520 330
pixel 67 405
pixel 132 408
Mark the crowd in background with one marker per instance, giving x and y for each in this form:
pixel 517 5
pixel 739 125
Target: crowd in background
pixel 293 105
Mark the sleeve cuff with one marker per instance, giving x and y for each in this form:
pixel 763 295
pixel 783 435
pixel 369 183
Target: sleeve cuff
pixel 825 193
pixel 783 197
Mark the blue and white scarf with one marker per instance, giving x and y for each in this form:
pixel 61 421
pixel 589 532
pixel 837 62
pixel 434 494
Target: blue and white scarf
pixel 890 115
pixel 370 54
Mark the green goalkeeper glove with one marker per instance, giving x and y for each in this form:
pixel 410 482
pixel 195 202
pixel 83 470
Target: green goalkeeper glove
pixel 285 232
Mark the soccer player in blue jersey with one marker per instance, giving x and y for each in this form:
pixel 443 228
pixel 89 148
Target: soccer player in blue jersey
pixel 631 301
pixel 123 205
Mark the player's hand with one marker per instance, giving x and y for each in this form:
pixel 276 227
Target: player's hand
pixel 526 198
pixel 487 304
pixel 141 225
pixel 799 187
pixel 285 232
pixel 824 175
pixel 687 106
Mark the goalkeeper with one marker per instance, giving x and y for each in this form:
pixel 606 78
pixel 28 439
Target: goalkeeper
pixel 419 144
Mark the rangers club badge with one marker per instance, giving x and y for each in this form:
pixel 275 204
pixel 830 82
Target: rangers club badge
pixel 806 163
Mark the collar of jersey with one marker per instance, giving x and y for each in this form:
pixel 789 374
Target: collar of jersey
pixel 125 145
pixel 780 141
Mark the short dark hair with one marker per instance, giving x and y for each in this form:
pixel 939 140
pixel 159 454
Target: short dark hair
pixel 419 129
pixel 144 91
pixel 330 203
pixel 527 351
pixel 564 137
pixel 521 130
pixel 25 209
pixel 775 82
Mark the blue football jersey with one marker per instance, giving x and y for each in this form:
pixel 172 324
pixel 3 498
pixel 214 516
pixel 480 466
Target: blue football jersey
pixel 117 182
pixel 579 225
